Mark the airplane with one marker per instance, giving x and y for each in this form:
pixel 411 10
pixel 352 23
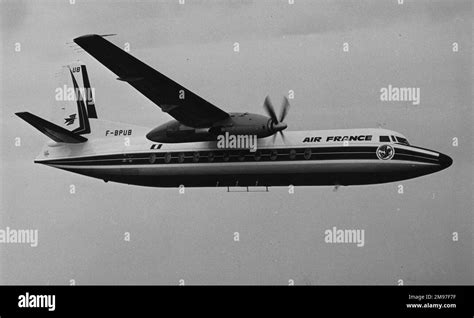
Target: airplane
pixel 187 151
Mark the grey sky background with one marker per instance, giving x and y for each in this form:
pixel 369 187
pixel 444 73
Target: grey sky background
pixel 407 236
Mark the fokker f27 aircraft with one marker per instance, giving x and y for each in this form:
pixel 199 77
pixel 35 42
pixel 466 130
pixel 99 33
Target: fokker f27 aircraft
pixel 185 151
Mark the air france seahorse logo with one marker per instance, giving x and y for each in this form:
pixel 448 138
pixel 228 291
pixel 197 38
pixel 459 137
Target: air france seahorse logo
pixel 385 152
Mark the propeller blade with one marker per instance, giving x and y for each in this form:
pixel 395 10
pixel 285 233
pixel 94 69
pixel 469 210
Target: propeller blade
pixel 274 138
pixel 270 110
pixel 282 136
pixel 284 108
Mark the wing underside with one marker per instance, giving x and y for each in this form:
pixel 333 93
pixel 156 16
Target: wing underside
pixel 182 104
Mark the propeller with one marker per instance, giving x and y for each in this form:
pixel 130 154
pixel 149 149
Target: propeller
pixel 277 124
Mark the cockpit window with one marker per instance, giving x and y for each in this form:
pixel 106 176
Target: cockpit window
pixel 403 141
pixel 384 139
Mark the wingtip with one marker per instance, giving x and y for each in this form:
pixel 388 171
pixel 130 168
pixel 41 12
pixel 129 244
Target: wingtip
pixel 21 114
pixel 84 37
pixel 90 36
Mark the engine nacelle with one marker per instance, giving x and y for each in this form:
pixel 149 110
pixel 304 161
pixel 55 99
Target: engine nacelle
pixel 175 132
pixel 237 124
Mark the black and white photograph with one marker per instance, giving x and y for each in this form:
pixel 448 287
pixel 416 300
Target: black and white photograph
pixel 236 143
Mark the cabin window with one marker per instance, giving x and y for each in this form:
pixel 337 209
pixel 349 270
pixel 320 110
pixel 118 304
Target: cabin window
pixel 307 154
pixel 152 158
pixel 181 157
pixel 403 141
pixel 273 154
pixel 258 155
pixel 210 156
pixel 292 154
pixel 393 139
pixel 196 157
pixel 384 139
pixel 167 157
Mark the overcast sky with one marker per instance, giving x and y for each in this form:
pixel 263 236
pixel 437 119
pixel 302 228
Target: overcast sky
pixel 282 47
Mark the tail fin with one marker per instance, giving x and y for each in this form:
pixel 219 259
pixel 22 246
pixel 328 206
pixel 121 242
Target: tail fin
pixel 73 107
pixel 74 100
pixel 51 130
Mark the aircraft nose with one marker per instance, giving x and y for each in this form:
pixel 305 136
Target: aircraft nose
pixel 444 161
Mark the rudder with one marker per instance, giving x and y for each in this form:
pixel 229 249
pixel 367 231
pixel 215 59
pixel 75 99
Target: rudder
pixel 74 100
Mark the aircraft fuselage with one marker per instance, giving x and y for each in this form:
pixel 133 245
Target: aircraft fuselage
pixel 325 157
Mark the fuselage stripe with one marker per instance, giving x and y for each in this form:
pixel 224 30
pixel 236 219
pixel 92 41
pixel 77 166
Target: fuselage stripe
pixel 183 157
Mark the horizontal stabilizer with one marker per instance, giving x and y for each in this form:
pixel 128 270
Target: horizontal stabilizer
pixel 51 130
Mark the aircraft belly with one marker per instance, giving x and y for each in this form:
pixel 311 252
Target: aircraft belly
pixel 330 172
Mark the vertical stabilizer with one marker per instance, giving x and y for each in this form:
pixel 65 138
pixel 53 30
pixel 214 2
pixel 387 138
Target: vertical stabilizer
pixel 74 104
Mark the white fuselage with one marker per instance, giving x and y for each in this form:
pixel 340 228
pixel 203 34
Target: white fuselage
pixel 121 153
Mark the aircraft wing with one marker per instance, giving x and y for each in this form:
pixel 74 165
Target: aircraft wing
pixel 185 106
